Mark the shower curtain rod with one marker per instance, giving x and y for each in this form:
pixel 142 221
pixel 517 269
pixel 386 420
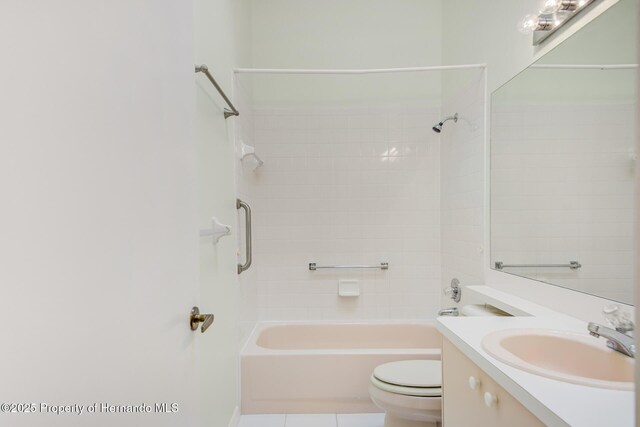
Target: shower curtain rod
pixel 586 66
pixel 355 71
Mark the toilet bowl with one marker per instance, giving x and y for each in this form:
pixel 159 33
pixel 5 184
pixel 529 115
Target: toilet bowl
pixel 409 392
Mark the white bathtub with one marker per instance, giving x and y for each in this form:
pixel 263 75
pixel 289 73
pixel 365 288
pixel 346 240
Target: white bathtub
pixel 325 368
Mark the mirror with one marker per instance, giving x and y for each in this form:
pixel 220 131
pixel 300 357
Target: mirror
pixel 563 163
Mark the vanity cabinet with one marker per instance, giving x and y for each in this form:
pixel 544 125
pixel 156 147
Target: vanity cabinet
pixel 472 398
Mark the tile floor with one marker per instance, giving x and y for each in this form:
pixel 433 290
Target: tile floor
pixel 312 420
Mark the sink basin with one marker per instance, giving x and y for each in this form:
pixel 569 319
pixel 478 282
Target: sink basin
pixel 564 356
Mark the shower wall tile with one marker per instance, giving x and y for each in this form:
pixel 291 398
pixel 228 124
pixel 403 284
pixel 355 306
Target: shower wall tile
pixel 249 295
pixel 344 186
pixel 462 188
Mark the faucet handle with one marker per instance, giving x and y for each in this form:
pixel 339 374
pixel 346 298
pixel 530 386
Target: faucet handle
pixel 454 291
pixel 618 319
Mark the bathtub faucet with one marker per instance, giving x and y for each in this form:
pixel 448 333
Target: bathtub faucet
pixel 453 311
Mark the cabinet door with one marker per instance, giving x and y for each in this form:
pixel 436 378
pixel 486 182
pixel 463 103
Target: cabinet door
pixel 464 406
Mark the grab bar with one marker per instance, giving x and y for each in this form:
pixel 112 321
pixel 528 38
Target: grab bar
pixel 574 265
pixel 247 223
pixel 382 266
pixel 227 113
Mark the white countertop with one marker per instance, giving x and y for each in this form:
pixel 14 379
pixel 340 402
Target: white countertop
pixel 555 403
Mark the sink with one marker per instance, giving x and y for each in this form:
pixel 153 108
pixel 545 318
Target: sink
pixel 565 356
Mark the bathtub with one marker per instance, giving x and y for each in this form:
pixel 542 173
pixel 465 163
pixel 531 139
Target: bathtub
pixel 325 368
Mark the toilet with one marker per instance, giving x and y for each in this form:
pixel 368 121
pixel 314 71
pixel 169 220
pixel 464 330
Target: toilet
pixel 409 392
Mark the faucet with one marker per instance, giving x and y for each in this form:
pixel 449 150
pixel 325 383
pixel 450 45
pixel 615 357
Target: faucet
pixel 453 311
pixel 615 340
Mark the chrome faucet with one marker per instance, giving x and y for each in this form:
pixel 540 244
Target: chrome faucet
pixel 453 311
pixel 618 319
pixel 615 340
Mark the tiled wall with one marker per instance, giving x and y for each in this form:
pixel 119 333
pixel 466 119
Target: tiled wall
pixel 348 186
pixel 462 186
pixel 562 186
pixel 245 176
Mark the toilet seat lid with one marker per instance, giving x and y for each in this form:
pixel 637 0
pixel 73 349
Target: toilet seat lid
pixel 411 373
pixel 406 391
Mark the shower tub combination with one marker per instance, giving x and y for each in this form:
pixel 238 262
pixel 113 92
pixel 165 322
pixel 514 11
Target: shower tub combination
pixel 325 368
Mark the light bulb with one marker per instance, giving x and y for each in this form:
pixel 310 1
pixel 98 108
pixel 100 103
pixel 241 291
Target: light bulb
pixel 550 6
pixel 529 24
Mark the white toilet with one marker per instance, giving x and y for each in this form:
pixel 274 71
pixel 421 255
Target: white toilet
pixel 409 392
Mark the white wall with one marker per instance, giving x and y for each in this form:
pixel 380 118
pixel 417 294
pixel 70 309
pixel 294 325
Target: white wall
pixel 98 254
pixel 339 34
pixel 221 37
pixel 344 34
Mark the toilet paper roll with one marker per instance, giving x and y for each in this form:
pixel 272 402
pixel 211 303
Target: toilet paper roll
pixel 481 310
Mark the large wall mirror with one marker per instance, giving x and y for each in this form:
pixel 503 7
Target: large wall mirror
pixel 563 163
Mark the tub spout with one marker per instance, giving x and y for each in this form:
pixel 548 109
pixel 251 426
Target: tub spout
pixel 453 311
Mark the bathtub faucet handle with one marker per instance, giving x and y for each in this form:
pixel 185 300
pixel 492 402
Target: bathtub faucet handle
pixel 196 318
pixel 454 291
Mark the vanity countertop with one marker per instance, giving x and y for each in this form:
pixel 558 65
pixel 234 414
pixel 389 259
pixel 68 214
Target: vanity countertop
pixel 555 403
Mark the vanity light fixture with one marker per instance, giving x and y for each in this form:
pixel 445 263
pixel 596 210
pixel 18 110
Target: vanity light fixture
pixel 553 14
pixel 532 23
pixel 553 6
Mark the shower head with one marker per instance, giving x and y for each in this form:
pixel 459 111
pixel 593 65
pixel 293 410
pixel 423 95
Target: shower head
pixel 438 128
